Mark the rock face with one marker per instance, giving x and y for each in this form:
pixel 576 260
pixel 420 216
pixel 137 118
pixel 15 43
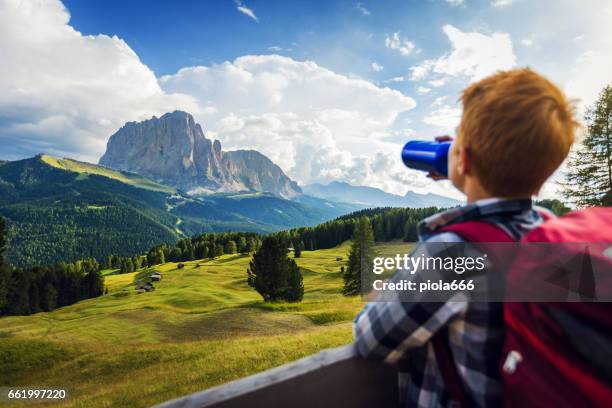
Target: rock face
pixel 173 150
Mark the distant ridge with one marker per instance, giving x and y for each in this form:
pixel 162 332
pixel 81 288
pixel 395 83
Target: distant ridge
pixel 375 197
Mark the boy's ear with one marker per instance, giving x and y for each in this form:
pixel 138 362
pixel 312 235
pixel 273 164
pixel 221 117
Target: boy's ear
pixel 464 163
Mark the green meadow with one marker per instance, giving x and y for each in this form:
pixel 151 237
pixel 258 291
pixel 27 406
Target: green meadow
pixel 85 169
pixel 201 327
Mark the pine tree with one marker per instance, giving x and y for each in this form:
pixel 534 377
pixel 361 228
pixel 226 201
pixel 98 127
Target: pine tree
pixel 241 244
pixel 250 246
pixel 18 297
pixel 94 283
pixel 4 270
pixel 190 254
pixel 295 283
pixel 218 250
pixel 49 298
pixel 199 250
pixel 358 274
pixel 554 205
pixel 589 175
pixel 297 251
pixel 230 247
pixel 127 265
pixel 176 255
pixel 115 262
pixel 273 275
pixel 410 230
pixel 34 296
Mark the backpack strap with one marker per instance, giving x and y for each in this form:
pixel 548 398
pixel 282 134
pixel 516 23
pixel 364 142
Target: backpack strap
pixel 471 231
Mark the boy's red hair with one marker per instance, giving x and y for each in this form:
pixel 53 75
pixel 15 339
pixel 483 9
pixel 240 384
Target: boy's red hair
pixel 518 128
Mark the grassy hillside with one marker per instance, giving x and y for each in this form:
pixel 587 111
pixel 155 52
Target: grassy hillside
pixel 201 327
pixel 64 210
pixel 85 169
pixel 59 215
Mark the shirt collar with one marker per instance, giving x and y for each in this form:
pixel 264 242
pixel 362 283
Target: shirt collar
pixel 488 207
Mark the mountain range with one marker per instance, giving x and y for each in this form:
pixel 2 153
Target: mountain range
pixel 374 197
pixel 160 180
pixel 173 150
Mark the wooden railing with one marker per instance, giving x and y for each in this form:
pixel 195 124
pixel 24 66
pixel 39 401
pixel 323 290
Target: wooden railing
pixel 332 378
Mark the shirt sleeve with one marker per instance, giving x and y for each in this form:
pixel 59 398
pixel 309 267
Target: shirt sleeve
pixel 386 329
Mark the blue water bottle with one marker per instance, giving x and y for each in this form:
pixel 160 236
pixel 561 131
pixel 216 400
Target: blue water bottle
pixel 427 156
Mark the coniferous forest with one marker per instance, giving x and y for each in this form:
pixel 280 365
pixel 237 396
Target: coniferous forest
pixel 24 291
pixel 43 288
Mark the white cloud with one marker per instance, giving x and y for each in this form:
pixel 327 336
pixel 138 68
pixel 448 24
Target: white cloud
pixel 395 42
pixel 436 83
pixel 423 90
pixel 439 101
pixel 589 75
pixel 316 124
pixel 455 3
pixel 363 10
pixel 246 11
pixel 527 42
pixel 377 67
pixel 277 49
pixel 501 3
pixel 443 117
pixel 395 79
pixel 64 93
pixel 418 72
pixel 591 70
pixel 474 55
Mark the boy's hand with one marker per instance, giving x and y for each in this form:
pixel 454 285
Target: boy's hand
pixel 434 175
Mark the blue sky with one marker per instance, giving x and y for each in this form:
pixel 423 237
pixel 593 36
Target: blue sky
pixel 327 89
pixel 170 35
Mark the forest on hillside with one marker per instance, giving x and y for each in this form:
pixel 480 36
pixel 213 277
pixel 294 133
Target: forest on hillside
pixel 43 288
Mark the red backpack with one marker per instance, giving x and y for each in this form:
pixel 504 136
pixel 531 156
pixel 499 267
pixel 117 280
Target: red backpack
pixel 555 354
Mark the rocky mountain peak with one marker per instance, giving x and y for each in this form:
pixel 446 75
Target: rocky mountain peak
pixel 173 150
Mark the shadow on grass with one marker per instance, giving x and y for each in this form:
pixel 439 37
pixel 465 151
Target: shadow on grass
pixel 233 258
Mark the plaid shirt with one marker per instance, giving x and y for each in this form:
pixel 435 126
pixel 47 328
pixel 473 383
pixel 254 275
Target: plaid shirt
pixel 400 332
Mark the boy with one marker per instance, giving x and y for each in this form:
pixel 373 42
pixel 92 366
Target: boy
pixel 516 129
